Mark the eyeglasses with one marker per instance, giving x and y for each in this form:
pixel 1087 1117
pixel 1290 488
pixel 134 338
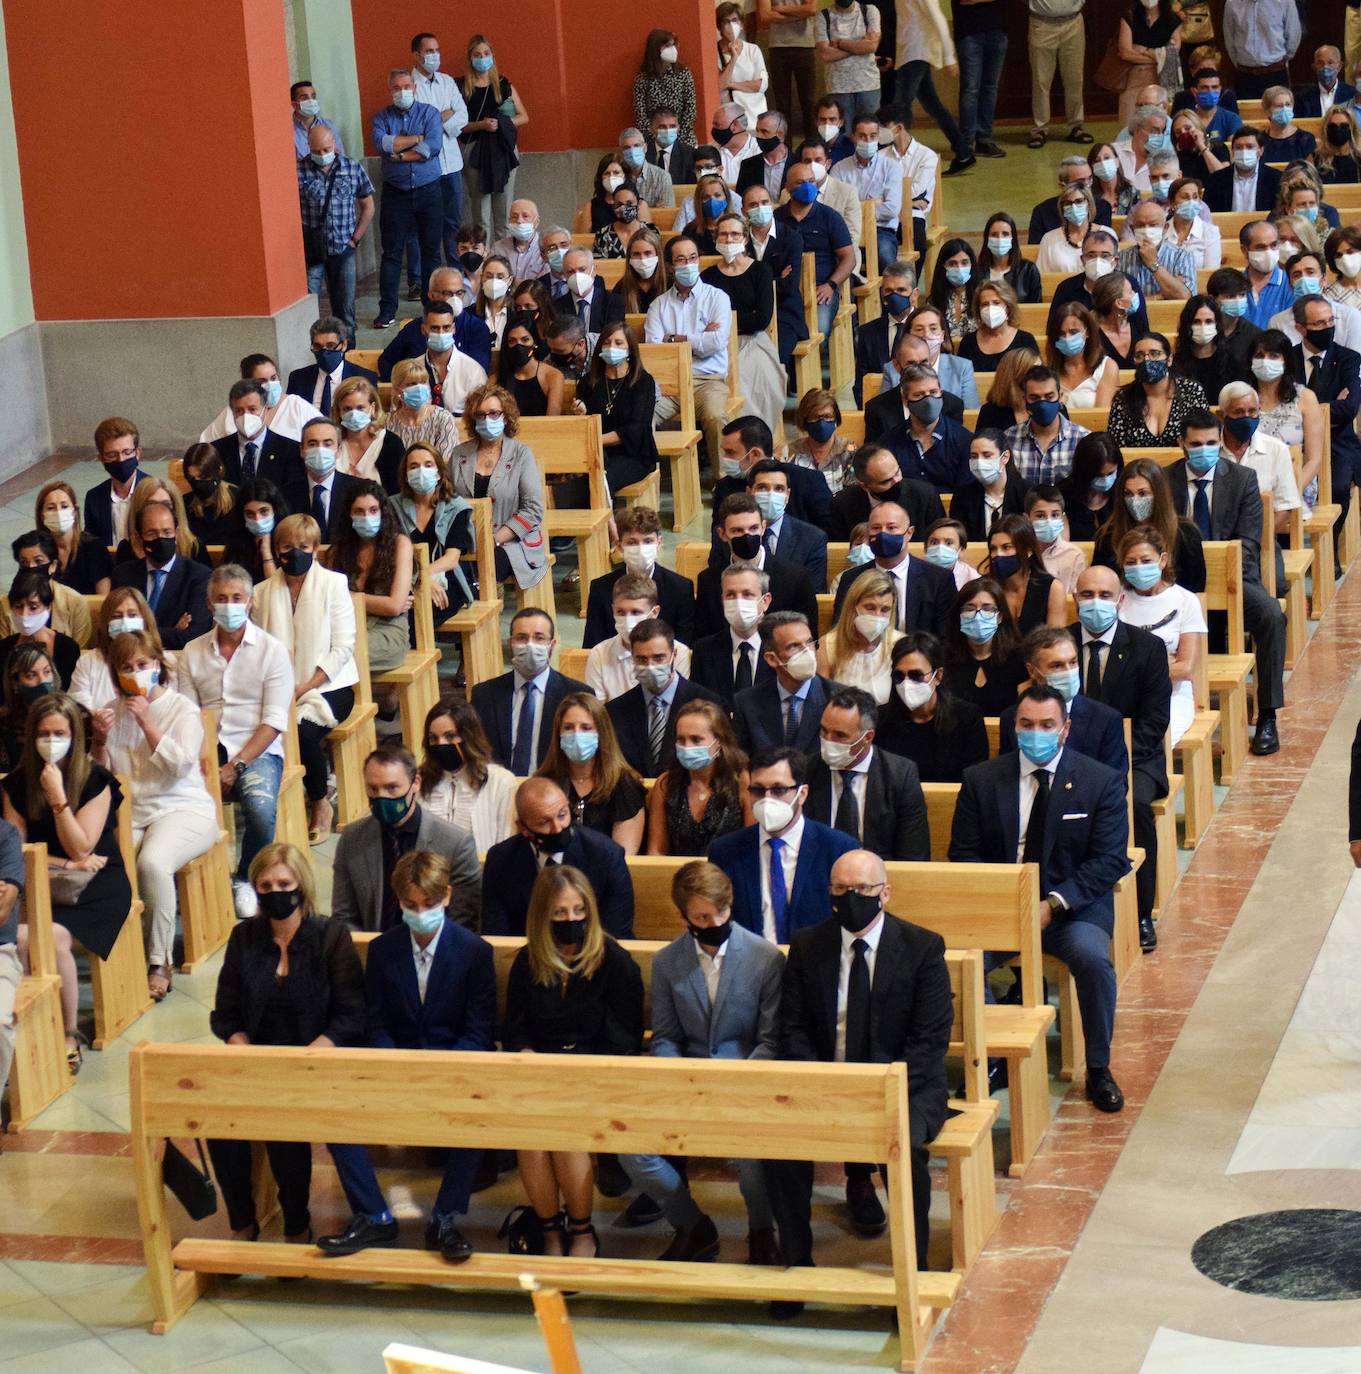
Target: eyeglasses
pixel 761 793
pixel 860 889
pixel 491 415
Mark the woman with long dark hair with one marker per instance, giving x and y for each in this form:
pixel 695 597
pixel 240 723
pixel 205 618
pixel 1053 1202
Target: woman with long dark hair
pixel 1034 595
pixel 983 661
pixel 1143 497
pixel 1151 410
pixel 941 733
pixel 703 794
pixel 1097 461
pixel 1000 259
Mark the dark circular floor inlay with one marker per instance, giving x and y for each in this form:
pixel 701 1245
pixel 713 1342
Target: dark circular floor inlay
pixel 1311 1254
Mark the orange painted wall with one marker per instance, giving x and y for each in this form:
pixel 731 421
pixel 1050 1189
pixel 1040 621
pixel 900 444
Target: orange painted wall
pixel 572 61
pixel 162 183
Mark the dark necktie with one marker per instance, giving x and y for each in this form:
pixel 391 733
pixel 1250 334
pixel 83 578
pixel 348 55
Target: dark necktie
pixel 158 576
pixel 779 894
pixel 584 313
pixel 791 723
pixel 319 509
pixel 1200 508
pixel 325 406
pixel 848 809
pixel 1314 364
pixel 522 759
pixel 858 1005
pixel 898 332
pixel 656 734
pixel 742 679
pixel 248 467
pixel 1093 684
pixel 1033 852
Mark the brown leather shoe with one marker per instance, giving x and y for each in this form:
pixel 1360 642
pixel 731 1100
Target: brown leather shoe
pixel 697 1243
pixel 763 1248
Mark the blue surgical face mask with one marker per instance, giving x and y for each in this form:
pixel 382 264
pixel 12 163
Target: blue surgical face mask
pixel 264 525
pixel 761 215
pixel 404 99
pixel 480 64
pixel 274 390
pixel 1234 306
pixel 687 274
pixel 806 192
pixel 985 470
pixel 440 340
pixel 1282 115
pixel 366 526
pixel 715 205
pixel 555 257
pixel 491 428
pixel 1310 212
pixel 613 356
pixel 416 396
pixel 859 554
pixel 693 757
pixel 1097 616
pixel 1142 576
pixel 1202 457
pixel 1039 746
pixel 979 626
pixel 1046 531
pixel 1327 75
pixel 1207 100
pixel 319 461
pixel 958 275
pixel 771 504
pixel 422 480
pixel 1307 286
pixel 1065 682
pixel 230 615
pixel 323 159
pixel 1070 345
pixel 664 138
pixel 355 420
pixel 579 745
pixel 1188 210
pixel 942 555
pixel 1104 481
pixel 819 431
pixel 309 109
pixel 1160 187
pixel 633 157
pixel 1245 159
pixel 423 922
pixel 1159 143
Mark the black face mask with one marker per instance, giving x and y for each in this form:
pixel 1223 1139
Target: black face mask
pixel 720 137
pixel 448 756
pixel 122 469
pixel 519 354
pixel 159 551
pixel 854 911
pixel 1339 135
pixel 204 487
pixel 568 932
pixel 295 562
pixel 1321 338
pixel 279 906
pixel 892 493
pixel 472 261
pixel 553 844
pixel 745 546
pixel 767 145
pixel 711 937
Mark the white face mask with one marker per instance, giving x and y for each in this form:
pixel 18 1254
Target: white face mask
pixel 645 266
pixel 1203 333
pixel 742 613
pixel 1264 259
pixel 802 664
pixel 819 170
pixel 772 814
pixel 640 558
pixel 494 288
pixel 729 251
pixel 669 53
pixel 994 316
pixel 1349 264
pixel 580 282
pixel 31 624
pixel 623 624
pixel 914 695
pixel 249 424
pixel 1096 268
pixel 61 521
pixel 612 183
pixel 1150 233
pixel 871 627
pixel 54 748
pixel 837 755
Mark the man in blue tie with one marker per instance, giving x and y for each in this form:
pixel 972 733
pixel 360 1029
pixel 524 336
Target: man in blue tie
pixel 176 587
pixel 586 294
pixel 327 492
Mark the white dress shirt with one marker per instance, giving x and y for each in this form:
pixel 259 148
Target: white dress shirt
pixel 517 702
pixel 609 667
pixel 899 576
pixel 1192 477
pixel 1244 191
pixel 253 688
pixel 1270 459
pixel 487 813
pixel 1029 787
pixel 441 91
pixel 733 160
pixel 857 776
pixel 335 379
pixel 424 958
pixel 789 859
pixel 843 983
pixel 1107 638
pixel 327 484
pixel 735 649
pixel 463 376
pixel 1203 242
pixel 691 316
pixel 151 576
pixel 918 165
pixel 1138 178
pixel 120 505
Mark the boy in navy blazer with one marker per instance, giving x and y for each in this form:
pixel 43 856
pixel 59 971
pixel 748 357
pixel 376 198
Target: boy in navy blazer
pixel 119 448
pixel 431 985
pixel 787 708
pixel 1050 806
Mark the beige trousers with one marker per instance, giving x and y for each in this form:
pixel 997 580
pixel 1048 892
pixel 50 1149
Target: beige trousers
pixel 1057 43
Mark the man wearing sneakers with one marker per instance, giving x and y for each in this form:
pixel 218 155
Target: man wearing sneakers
pixel 981 38
pixel 1057 38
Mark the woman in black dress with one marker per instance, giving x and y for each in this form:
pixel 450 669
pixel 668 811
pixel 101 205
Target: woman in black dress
pixel 536 386
pixel 623 395
pixel 289 977
pixel 703 794
pixel 212 498
pixel 983 663
pixel 942 734
pixel 83 563
pixel 1143 496
pixel 1112 301
pixel 571 990
pixel 30 608
pixel 1087 500
pixel 1034 596
pixel 260 506
pixel 1001 252
pixel 91 895
pixel 992 307
pixel 584 759
pixel 1201 354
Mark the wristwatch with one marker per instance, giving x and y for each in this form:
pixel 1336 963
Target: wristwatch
pixel 240 767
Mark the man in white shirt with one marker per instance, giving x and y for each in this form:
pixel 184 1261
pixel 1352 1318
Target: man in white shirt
pixel 1150 132
pixel 701 315
pixel 521 247
pixel 453 374
pixel 918 163
pixel 876 178
pixel 437 88
pixel 729 135
pixel 609 666
pixel 1245 151
pixel 1269 458
pixel 246 676
pixel 1305 272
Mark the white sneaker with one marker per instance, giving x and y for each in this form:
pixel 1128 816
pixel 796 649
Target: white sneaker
pixel 247 903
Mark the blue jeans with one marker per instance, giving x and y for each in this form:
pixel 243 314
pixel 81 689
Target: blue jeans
pixel 888 246
pixel 826 314
pixel 338 275
pixel 914 82
pixel 257 794
pixel 859 103
pixel 656 1176
pixel 417 270
pixel 401 214
pixel 355 1171
pixel 980 69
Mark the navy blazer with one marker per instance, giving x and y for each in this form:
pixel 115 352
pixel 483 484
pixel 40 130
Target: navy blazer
pixel 1095 729
pixel 471 336
pixel 873 349
pixel 459 1010
pixel 945 465
pixel 97 521
pixel 302 381
pixel 791 589
pixel 629 716
pixel 785 250
pixel 600 310
pixel 739 855
pixel 675 596
pixel 711 666
pixel 1309 99
pixel 1086 831
pixel 279 460
pixel 494 701
pixel 758 716
pixel 1219 189
pixel 810 498
pixel 930 594
pixel 893 819
pixel 798 542
pixel 1339 375
pixel 299 498
pixel 185 589
pixel 512 867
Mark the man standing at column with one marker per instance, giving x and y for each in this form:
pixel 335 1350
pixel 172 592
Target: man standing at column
pixel 1057 37
pixel 437 88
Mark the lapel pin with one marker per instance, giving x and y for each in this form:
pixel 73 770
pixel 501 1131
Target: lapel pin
pixel 1067 786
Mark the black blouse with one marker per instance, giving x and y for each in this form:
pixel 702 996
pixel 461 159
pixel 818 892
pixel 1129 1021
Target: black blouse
pixel 941 755
pixel 602 1014
pixel 968 348
pixel 752 294
pixel 89 564
pixel 623 804
pixel 625 408
pixel 1002 678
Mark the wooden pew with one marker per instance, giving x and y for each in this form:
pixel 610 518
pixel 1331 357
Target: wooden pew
pixel 119 983
pixel 478 625
pixel 417 680
pixel 672 369
pixel 352 740
pixel 712 1108
pixel 808 353
pixel 204 884
pixel 290 826
pixel 1228 673
pixel 39 1075
pixel 867 294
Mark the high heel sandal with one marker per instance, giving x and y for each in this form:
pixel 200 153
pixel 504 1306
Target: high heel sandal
pixel 164 972
pixel 74 1053
pixel 581 1226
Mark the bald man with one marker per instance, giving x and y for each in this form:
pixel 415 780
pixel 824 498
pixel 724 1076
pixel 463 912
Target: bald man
pixel 549 835
pixel 521 245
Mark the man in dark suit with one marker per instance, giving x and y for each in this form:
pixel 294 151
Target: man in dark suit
pixel 924 592
pixel 1226 503
pixel 781 865
pixel 864 987
pixel 1333 374
pixel 640 541
pixel 644 718
pixel 471 336
pixel 517 708
pixel 547 836
pixel 119 448
pixel 785 708
pixel 888 409
pixel 324 493
pixel 1326 82
pixel 768 170
pixel 742 528
pixel 746 441
pixel 730 660
pixel 873 796
pixel 1046 216
pixel 587 296
pixel 318 381
pixel 1249 177
pixel 879 478
pixel 780 247
pixel 786 537
pixel 1125 668
pixel 929 447
pixel 430 985
pixel 176 588
pixel 1050 806
pixel 665 150
pixel 879 338
pixel 253 450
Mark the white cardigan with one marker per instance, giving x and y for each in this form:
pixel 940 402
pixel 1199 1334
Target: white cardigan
pixel 320 634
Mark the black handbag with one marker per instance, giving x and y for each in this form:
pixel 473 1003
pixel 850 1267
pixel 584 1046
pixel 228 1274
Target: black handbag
pixel 314 238
pixel 193 1188
pixel 523 1232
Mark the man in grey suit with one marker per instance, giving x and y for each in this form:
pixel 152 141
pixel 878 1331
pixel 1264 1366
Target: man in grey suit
pixel 715 995
pixel 369 849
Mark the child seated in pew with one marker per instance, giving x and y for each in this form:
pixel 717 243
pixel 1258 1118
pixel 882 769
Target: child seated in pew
pixel 857 556
pixel 1063 560
pixel 946 541
pixel 609 666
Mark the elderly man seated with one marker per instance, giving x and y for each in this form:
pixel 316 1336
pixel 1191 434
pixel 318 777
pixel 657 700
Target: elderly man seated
pixel 1159 269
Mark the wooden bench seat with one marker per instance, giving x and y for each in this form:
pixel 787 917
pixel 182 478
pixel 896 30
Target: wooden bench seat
pixel 352 740
pixel 416 680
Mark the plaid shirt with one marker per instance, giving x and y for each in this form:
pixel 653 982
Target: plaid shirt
pixel 342 215
pixel 1037 465
pixel 1180 262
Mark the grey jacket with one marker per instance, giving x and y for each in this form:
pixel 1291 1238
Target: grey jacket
pixel 357 876
pixel 516 493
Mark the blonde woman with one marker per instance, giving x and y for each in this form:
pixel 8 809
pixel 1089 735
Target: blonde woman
pixel 1061 248
pixel 858 651
pixel 571 990
pixel 414 418
pixel 994 312
pixel 83 563
pixel 367 449
pixel 93 683
pixel 154 491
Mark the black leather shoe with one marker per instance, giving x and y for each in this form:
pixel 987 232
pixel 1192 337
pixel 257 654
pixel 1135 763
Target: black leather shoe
pixel 763 1248
pixel 697 1243
pixel 988 150
pixel 958 165
pixel 1266 740
pixel 610 1177
pixel 452 1244
pixel 360 1234
pixel 786 1311
pixel 1103 1092
pixel 867 1213
pixel 997 1075
pixel 642 1211
pixel 1148 935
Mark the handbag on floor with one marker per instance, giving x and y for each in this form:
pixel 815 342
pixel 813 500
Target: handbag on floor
pixel 193 1188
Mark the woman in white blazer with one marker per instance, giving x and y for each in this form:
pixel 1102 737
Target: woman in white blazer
pixel 309 608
